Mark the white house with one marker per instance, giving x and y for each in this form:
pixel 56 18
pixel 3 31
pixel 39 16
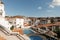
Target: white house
pixel 20 22
pixel 2 11
pixel 3 22
pixel 15 21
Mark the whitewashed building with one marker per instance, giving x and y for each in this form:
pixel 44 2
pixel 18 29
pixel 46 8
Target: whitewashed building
pixel 20 22
pixel 3 22
pixel 12 21
pixel 2 11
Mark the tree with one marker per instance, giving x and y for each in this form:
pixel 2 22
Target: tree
pixel 12 28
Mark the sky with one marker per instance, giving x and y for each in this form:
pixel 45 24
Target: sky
pixel 32 8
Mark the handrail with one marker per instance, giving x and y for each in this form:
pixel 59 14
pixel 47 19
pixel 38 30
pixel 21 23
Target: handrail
pixel 13 33
pixel 46 34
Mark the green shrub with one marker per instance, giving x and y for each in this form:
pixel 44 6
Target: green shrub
pixel 12 28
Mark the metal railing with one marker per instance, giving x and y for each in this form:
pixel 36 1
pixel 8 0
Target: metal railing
pixel 41 31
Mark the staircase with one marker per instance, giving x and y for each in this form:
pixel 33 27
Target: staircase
pixel 7 33
pixel 10 36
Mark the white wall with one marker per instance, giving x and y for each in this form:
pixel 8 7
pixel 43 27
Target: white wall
pixel 20 23
pixel 3 11
pixel 5 23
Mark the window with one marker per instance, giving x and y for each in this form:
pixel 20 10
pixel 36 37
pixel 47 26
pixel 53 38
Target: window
pixel 0 12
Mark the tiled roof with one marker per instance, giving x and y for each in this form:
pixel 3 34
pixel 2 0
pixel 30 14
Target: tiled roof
pixel 57 23
pixel 48 25
pixel 44 25
pixel 27 24
pixel 19 30
pixel 14 17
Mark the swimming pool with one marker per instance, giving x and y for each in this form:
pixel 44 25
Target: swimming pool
pixel 27 31
pixel 32 37
pixel 35 38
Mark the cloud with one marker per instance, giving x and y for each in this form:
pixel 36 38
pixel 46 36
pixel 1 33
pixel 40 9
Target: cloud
pixel 54 3
pixel 39 7
pixel 51 6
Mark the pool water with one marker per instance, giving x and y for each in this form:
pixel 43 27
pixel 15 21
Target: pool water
pixel 28 31
pixel 35 38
